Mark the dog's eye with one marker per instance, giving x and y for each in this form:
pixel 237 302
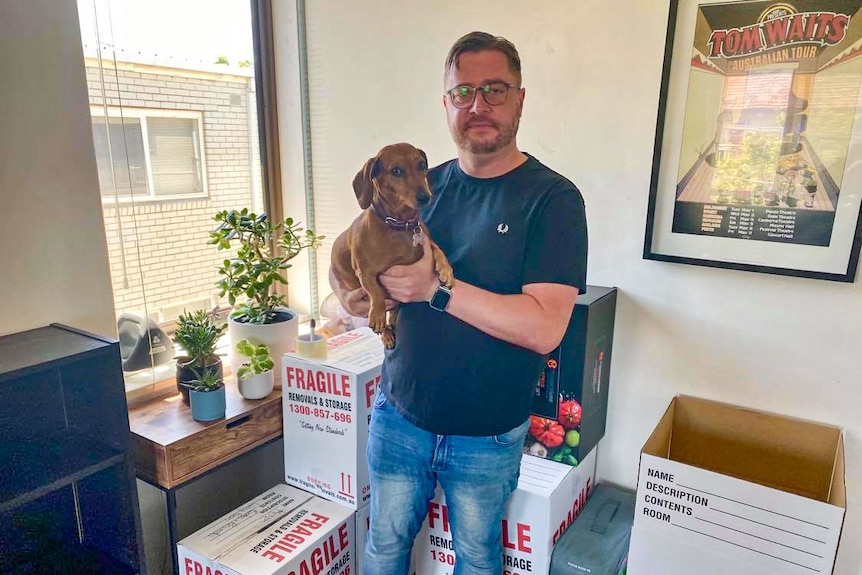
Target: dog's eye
pixel 397 172
pixel 422 166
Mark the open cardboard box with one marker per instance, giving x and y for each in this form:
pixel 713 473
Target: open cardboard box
pixel 724 489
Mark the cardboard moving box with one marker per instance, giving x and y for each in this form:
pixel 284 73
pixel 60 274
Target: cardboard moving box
pixel 327 406
pixel 261 538
pixel 549 497
pixel 362 518
pixel 724 489
pixel 198 553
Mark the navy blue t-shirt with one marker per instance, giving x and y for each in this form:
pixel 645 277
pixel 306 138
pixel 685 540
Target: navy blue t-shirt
pixel 526 226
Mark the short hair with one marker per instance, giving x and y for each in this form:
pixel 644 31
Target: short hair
pixel 480 42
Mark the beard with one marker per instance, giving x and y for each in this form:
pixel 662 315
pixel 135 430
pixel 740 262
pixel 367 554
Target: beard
pixel 505 134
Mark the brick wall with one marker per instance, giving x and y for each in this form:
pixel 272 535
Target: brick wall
pixel 163 244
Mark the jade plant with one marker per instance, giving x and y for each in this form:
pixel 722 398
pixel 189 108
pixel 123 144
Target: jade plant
pixel 259 360
pixel 198 334
pixel 265 249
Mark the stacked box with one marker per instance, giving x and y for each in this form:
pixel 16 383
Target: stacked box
pixel 327 407
pixel 284 531
pixel 362 524
pixel 723 489
pixel 570 402
pixel 548 498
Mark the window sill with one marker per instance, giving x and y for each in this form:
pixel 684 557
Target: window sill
pixel 160 381
pixel 130 201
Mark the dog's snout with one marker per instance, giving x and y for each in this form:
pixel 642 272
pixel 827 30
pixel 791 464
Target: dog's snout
pixel 423 198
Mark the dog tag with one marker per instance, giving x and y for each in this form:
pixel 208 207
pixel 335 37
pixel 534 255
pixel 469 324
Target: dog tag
pixel 417 236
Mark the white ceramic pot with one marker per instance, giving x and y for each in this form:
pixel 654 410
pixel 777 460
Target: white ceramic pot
pixel 257 385
pixel 280 337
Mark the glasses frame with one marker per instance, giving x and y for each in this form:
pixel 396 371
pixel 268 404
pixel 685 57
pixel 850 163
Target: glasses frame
pixel 483 91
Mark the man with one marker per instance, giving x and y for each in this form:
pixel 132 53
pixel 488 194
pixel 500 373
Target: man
pixel 456 390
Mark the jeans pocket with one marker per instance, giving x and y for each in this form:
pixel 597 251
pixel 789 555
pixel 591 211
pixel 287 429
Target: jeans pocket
pixel 513 436
pixel 380 399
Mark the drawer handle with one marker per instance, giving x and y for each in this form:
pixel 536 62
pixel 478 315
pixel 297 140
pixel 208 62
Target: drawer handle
pixel 238 422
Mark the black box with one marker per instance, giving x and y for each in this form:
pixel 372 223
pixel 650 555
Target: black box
pixel 570 403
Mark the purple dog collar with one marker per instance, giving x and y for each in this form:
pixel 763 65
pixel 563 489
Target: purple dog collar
pixel 410 225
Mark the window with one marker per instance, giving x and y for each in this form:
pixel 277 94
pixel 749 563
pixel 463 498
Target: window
pixel 170 164
pixel 180 133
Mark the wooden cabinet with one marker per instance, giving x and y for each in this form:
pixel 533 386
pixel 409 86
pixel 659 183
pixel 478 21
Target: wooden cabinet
pixel 172 448
pixel 68 499
pixel 173 451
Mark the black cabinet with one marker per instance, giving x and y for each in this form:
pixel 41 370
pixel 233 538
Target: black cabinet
pixel 68 499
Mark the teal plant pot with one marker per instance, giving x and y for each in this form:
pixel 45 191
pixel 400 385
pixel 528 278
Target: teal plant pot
pixel 207 405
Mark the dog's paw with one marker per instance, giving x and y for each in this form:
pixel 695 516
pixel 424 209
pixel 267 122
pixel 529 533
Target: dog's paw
pixel 388 337
pixel 377 322
pixel 446 275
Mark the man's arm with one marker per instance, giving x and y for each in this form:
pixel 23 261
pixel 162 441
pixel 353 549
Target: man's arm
pixel 535 319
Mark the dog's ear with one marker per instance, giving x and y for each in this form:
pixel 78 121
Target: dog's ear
pixel 424 157
pixel 363 186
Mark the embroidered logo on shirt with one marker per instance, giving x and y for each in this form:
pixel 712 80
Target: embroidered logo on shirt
pixel 502 228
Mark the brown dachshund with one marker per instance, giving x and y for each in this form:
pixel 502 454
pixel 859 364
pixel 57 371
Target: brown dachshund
pixel 390 188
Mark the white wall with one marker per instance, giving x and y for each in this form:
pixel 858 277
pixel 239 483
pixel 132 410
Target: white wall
pixel 53 258
pixel 592 70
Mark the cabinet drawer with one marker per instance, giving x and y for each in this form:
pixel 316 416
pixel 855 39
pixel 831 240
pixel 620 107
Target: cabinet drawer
pixel 222 440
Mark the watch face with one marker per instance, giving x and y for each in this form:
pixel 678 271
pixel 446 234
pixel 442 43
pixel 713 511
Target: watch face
pixel 440 300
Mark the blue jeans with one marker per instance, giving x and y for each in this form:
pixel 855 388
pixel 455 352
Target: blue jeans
pixel 405 463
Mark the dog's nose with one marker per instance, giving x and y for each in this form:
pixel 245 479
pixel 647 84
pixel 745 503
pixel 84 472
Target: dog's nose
pixel 423 198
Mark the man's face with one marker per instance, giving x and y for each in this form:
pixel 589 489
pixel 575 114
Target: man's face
pixel 482 128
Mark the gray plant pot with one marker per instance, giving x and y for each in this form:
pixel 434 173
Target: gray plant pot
pixel 186 373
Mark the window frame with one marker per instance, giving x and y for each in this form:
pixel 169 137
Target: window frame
pixel 142 114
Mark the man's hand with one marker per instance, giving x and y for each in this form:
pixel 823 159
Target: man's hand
pixel 415 282
pixel 355 302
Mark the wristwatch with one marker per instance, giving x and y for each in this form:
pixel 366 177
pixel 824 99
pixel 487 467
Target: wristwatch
pixel 440 299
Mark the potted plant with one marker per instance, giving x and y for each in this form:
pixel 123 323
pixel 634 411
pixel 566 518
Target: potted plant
pixel 256 376
pixel 207 397
pixel 265 249
pixel 198 334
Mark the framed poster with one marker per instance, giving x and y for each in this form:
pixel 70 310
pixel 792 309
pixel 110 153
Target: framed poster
pixel 758 154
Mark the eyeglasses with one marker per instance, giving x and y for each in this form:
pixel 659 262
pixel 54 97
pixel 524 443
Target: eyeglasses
pixel 494 94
